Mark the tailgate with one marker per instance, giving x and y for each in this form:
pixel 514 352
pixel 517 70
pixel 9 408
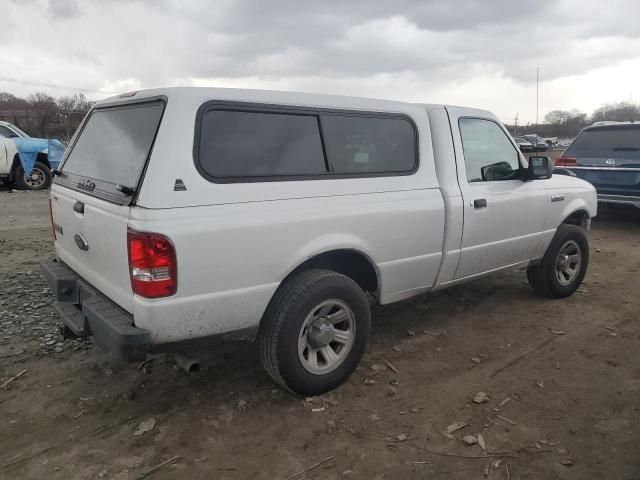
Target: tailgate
pixel 93 193
pixel 91 237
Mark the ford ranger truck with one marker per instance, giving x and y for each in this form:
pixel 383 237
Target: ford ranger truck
pixel 183 216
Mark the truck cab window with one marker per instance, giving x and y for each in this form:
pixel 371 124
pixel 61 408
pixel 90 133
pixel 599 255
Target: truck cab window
pixel 488 154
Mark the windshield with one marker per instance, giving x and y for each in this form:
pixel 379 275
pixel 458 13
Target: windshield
pixel 6 132
pixel 20 132
pixel 620 141
pixel 114 144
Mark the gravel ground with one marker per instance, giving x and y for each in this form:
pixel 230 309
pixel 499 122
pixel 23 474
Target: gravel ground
pixel 561 384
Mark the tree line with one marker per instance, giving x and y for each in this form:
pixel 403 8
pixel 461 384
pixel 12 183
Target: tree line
pixel 44 116
pixel 41 115
pixel 567 123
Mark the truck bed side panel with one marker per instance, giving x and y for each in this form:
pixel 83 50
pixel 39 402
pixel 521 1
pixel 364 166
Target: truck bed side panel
pixel 230 265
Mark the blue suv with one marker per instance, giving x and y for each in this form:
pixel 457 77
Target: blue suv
pixel 606 154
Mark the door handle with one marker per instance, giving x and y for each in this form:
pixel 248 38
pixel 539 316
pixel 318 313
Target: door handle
pixel 480 203
pixel 78 207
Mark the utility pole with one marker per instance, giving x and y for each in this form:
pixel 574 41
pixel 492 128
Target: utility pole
pixel 515 125
pixel 537 93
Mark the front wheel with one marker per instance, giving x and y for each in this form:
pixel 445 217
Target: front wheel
pixel 314 331
pixel 564 264
pixel 39 179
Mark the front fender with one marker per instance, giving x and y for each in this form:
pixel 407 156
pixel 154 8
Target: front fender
pixel 569 195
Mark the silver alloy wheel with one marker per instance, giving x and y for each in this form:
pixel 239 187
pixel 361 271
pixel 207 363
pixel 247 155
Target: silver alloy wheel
pixel 326 337
pixel 36 179
pixel 568 263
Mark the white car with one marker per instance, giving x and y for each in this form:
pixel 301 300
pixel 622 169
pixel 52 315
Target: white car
pixel 185 215
pixel 27 162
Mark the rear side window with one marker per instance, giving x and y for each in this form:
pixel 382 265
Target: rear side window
pixel 251 144
pixel 612 141
pixel 247 145
pixel 114 144
pixel 369 144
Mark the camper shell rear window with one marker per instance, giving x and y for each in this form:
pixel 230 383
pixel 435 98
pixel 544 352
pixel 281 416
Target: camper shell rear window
pixel 111 151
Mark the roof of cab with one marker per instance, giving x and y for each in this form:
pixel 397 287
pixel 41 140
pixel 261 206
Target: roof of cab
pixel 200 95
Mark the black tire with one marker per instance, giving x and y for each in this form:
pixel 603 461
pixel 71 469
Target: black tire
pixel 41 171
pixel 282 326
pixel 543 277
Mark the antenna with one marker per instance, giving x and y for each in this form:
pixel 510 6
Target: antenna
pixel 537 92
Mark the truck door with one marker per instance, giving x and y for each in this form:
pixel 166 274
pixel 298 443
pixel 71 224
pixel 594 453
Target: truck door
pixel 503 215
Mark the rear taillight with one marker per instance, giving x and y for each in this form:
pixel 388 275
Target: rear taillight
pixel 152 264
pixel 566 161
pixel 53 228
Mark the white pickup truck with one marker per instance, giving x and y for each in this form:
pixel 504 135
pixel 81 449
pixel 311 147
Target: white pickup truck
pixel 186 215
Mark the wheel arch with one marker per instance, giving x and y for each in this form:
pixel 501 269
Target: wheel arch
pixel 14 167
pixel 349 262
pixel 579 217
pixel 44 159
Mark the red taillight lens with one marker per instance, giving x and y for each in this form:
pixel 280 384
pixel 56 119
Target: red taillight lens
pixel 566 161
pixel 152 264
pixel 53 229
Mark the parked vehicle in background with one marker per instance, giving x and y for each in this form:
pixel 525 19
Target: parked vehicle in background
pixel 550 141
pixel 523 144
pixel 25 161
pixel 539 144
pixel 189 214
pixel 606 154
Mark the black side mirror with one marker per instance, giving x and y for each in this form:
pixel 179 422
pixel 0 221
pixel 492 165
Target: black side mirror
pixel 539 168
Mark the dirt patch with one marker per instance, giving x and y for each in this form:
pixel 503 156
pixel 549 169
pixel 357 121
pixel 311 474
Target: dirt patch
pixel 562 380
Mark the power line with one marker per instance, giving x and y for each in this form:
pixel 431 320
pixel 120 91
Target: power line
pixel 51 85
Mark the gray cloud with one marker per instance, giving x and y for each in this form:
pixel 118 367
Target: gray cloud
pixel 61 9
pixel 98 44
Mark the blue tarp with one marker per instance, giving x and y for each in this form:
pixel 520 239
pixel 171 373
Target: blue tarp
pixel 28 149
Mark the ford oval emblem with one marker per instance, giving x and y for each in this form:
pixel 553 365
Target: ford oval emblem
pixel 81 242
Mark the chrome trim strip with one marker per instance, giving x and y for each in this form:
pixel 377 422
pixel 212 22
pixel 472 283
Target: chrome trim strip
pixel 615 169
pixel 624 199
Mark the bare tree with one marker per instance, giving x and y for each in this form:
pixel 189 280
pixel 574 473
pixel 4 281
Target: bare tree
pixel 70 109
pixel 557 117
pixel 44 116
pixel 621 112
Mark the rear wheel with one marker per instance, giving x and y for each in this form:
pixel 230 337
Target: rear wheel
pixel 564 264
pixel 39 179
pixel 314 331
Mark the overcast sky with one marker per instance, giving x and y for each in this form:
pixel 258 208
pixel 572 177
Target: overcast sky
pixel 468 52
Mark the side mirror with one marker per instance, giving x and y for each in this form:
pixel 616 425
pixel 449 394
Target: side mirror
pixel 539 168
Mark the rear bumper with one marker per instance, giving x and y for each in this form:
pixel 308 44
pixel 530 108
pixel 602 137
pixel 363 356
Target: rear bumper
pixel 619 199
pixel 86 312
